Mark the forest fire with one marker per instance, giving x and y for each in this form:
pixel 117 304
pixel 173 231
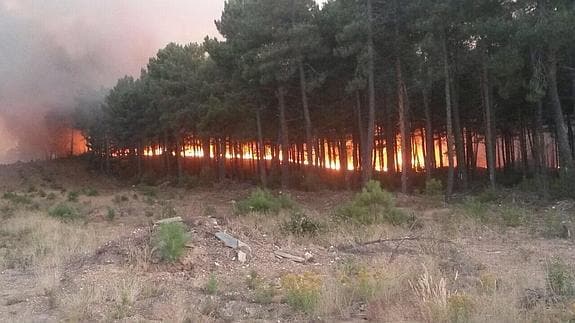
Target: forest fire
pixel 67 142
pixel 329 157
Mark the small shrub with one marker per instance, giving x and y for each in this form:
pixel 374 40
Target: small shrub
pixel 512 216
pixel 51 196
pixel 433 187
pixel 7 211
pixel 111 214
pixel 556 226
pixel 360 282
pixel 264 201
pixel 459 308
pixel 41 193
pixel 168 210
pixel 189 182
pixel 211 287
pixel 475 209
pixel 209 210
pixel 563 187
pixel 119 199
pixel 488 283
pixel 488 195
pixel 302 291
pixel 373 205
pixel 149 191
pixel 90 191
pixel 170 241
pixel 300 224
pixel 64 211
pixel 560 279
pixel 73 196
pixel 264 294
pixel 253 281
pixel 17 199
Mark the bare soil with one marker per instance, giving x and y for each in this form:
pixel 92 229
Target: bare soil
pixel 113 274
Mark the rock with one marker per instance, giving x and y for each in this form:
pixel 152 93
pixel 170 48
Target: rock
pixel 291 256
pixel 242 256
pixel 169 220
pixel 231 242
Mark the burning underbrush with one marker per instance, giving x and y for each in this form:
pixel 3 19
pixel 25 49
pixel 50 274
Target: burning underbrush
pixel 296 259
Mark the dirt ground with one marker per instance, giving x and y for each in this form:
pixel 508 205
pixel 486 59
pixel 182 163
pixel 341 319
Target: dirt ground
pixel 446 266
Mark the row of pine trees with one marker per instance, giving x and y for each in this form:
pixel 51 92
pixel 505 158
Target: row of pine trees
pixel 290 78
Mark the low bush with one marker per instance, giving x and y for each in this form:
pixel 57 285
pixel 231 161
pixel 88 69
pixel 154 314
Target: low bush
pixel 302 291
pixel 111 214
pixel 459 308
pixel 17 199
pixel 433 187
pixel 475 209
pixel 211 287
pixel 300 224
pixel 264 294
pixel 560 278
pixel 148 191
pixel 90 191
pixel 264 201
pixel 64 211
pixel 556 225
pixel 119 199
pixel 488 195
pixel 170 241
pixel 359 282
pixel 372 205
pixel 73 196
pixel 512 215
pixel 167 210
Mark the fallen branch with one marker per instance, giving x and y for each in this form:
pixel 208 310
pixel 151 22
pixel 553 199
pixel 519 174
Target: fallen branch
pixel 169 220
pixel 282 254
pixel 378 241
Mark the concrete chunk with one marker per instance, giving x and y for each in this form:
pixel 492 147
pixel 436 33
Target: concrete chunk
pixel 169 220
pixel 228 240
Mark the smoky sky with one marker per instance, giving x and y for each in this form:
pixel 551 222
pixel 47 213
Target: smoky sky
pixel 54 51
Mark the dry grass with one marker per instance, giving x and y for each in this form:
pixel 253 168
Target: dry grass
pixel 40 241
pixel 480 275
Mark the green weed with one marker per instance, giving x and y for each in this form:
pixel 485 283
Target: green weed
pixel 264 201
pixel 433 187
pixel 170 241
pixel 64 211
pixel 302 291
pixel 372 205
pixel 300 224
pixel 73 196
pixel 211 286
pixel 560 279
pixel 17 199
pixel 111 214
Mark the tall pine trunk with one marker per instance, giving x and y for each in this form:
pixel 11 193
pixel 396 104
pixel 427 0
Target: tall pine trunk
pixel 541 158
pixel 261 151
pixel 307 118
pixel 489 139
pixel 367 167
pixel 284 139
pixel 429 144
pixel 405 137
pixel 566 159
pixel 458 134
pixel 450 139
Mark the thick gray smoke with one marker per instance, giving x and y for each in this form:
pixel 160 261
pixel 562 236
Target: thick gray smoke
pixel 54 51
